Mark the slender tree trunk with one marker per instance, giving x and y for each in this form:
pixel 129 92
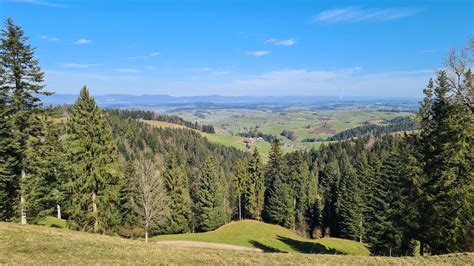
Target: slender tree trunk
pixel 422 248
pixel 59 211
pixel 240 209
pixel 146 235
pixel 22 200
pixel 94 210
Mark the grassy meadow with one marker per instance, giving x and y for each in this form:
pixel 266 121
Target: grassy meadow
pixel 271 238
pixel 39 245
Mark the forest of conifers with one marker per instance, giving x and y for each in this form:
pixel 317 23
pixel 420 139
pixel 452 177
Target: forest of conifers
pixel 110 173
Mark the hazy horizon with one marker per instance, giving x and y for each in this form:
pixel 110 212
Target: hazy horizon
pixel 311 48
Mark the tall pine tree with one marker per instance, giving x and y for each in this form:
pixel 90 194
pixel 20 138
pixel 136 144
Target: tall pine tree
pixel 279 199
pixel 93 183
pixel 209 209
pixel 22 82
pixel 255 189
pixel 177 188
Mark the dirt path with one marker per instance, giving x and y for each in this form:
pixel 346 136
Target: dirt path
pixel 183 243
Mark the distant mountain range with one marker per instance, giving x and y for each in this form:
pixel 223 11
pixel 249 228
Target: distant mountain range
pixel 134 100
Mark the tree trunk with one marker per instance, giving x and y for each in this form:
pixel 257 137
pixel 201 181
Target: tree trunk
pixel 94 210
pixel 146 235
pixel 240 209
pixel 22 201
pixel 422 248
pixel 59 211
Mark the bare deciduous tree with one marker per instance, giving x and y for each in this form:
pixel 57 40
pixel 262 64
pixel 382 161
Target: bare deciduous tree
pixel 458 64
pixel 149 200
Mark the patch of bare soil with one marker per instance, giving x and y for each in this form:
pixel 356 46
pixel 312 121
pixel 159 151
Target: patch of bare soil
pixel 324 129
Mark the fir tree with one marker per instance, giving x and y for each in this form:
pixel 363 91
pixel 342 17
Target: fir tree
pixel 446 148
pixel 299 180
pixel 242 184
pixel 41 186
pixel 209 210
pixel 279 204
pixel 255 191
pixel 21 80
pixel 92 163
pixel 349 203
pixel 8 162
pixel 330 181
pixel 176 185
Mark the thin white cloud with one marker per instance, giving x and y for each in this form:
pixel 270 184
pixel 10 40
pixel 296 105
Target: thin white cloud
pixel 330 82
pixel 354 81
pixel 83 41
pixel 37 2
pixel 76 65
pixel 288 42
pixel 128 70
pixel 258 53
pixel 49 38
pixel 358 14
pixel 152 54
pixel 221 72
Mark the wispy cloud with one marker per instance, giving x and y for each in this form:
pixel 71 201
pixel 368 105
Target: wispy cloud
pixel 215 72
pixel 83 41
pixel 152 54
pixel 76 65
pixel 330 82
pixel 128 70
pixel 49 38
pixel 37 2
pixel 221 72
pixel 288 42
pixel 358 14
pixel 258 53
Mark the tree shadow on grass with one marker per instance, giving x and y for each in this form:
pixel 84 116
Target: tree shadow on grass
pixel 265 248
pixel 308 247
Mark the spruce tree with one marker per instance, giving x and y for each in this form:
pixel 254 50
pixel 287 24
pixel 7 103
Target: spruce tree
pixel 176 185
pixel 209 210
pixel 41 187
pixel 299 179
pixel 255 190
pixel 279 204
pixel 8 162
pixel 330 182
pixel 446 148
pixel 349 203
pixel 22 82
pixel 94 175
pixel 241 184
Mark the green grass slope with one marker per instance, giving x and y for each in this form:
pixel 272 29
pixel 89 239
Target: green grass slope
pixel 40 245
pixel 271 238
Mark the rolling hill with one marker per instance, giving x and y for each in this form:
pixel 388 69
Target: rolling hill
pixel 271 238
pixel 39 245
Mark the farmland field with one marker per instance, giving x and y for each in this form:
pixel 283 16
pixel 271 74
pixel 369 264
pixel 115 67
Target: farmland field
pixel 306 121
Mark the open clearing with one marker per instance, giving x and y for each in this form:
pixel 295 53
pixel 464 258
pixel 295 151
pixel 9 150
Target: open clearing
pixel 271 238
pixel 34 245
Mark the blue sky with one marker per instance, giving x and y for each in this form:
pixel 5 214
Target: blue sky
pixel 363 48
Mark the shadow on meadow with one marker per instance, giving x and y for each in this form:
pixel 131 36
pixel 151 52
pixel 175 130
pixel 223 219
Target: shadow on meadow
pixel 265 248
pixel 307 246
